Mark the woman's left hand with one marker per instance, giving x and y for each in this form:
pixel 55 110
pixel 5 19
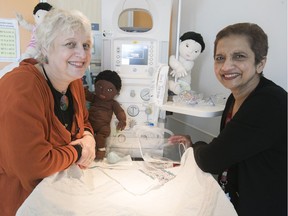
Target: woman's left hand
pixel 88 149
pixel 184 139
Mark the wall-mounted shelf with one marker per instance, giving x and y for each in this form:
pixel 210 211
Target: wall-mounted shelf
pixel 194 110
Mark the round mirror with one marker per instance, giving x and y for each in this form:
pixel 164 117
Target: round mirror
pixel 135 20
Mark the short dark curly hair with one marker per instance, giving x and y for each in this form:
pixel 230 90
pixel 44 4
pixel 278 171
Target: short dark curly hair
pixel 110 76
pixel 42 6
pixel 194 36
pixel 257 38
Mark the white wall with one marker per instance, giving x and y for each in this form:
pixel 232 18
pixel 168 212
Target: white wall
pixel 207 17
pixel 91 8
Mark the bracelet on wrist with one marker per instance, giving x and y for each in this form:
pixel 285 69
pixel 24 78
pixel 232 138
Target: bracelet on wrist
pixel 88 134
pixel 101 149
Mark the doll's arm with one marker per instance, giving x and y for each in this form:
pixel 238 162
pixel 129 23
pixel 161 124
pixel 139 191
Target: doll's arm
pixel 178 70
pixel 120 115
pixel 173 62
pixel 23 23
pixel 90 96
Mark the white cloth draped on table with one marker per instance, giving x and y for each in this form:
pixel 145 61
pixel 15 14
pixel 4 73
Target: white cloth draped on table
pixel 99 191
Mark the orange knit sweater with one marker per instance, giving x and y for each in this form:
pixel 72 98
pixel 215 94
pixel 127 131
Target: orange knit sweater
pixel 33 142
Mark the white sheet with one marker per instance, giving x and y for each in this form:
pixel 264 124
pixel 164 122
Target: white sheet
pixel 93 192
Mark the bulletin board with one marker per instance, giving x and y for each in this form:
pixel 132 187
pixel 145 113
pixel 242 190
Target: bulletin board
pixel 9 12
pixel 9 40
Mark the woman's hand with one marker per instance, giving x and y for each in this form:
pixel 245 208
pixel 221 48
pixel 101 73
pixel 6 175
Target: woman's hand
pixel 88 149
pixel 185 139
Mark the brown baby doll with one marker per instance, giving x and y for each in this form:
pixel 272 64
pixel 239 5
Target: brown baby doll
pixel 107 85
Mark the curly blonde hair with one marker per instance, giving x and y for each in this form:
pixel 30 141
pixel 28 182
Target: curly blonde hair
pixel 57 22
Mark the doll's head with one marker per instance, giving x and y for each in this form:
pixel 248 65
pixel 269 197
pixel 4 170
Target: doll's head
pixel 107 85
pixel 191 45
pixel 40 10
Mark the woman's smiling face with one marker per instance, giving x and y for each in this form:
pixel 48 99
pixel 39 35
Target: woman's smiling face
pixel 234 64
pixel 70 55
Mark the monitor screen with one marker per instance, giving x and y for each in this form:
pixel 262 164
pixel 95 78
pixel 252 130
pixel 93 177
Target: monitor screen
pixel 134 54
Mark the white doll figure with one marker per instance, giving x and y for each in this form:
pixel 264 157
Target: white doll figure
pixel 190 47
pixel 39 12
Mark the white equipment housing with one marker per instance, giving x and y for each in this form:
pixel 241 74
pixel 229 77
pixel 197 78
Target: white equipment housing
pixel 141 60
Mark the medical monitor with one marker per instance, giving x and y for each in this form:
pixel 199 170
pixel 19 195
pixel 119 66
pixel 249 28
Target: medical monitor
pixel 135 57
pixel 134 54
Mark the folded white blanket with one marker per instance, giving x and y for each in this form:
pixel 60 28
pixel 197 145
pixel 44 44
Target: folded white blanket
pixel 92 192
